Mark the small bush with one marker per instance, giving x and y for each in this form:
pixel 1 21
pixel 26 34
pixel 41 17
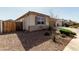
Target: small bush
pixel 73 33
pixel 49 28
pixel 46 33
pixel 67 32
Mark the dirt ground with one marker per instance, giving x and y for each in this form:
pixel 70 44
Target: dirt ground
pixel 30 41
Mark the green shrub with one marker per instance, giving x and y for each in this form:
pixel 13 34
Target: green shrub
pixel 73 33
pixel 67 32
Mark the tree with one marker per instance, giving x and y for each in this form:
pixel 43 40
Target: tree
pixel 53 28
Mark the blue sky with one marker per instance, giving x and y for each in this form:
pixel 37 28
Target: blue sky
pixel 60 12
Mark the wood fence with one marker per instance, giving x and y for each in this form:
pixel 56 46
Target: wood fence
pixel 11 26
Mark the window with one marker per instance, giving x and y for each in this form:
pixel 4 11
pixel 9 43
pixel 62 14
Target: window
pixel 40 20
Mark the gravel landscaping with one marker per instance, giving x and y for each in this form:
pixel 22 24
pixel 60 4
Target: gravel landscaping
pixel 30 41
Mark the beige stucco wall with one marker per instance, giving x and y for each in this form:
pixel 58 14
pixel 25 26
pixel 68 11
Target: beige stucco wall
pixel 47 20
pixel 32 20
pixel 59 22
pixel 34 27
pixel 26 22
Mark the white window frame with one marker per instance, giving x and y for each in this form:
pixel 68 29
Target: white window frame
pixel 40 19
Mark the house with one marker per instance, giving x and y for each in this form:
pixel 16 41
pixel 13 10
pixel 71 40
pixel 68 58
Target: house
pixel 56 22
pixel 32 21
pixel 67 23
pixel 59 22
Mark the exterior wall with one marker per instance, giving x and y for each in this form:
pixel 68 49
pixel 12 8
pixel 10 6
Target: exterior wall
pixel 52 22
pixel 1 27
pixel 47 21
pixel 34 27
pixel 59 23
pixel 32 20
pixel 26 22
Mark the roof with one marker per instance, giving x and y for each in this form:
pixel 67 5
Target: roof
pixel 11 20
pixel 33 13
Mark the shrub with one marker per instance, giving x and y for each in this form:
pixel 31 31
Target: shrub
pixel 46 33
pixel 49 28
pixel 67 32
pixel 73 33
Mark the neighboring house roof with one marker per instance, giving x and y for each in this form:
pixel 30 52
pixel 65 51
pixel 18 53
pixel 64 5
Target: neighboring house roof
pixel 10 20
pixel 32 12
pixel 56 20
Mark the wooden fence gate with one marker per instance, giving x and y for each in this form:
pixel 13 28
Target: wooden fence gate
pixel 9 26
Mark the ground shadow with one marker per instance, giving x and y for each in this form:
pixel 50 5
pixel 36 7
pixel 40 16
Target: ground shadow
pixel 31 39
pixel 65 42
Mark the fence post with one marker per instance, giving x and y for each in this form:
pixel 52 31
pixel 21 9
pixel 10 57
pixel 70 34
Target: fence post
pixel 1 26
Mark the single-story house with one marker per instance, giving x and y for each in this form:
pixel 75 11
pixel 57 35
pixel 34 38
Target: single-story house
pixel 34 21
pixel 30 21
pixel 59 22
